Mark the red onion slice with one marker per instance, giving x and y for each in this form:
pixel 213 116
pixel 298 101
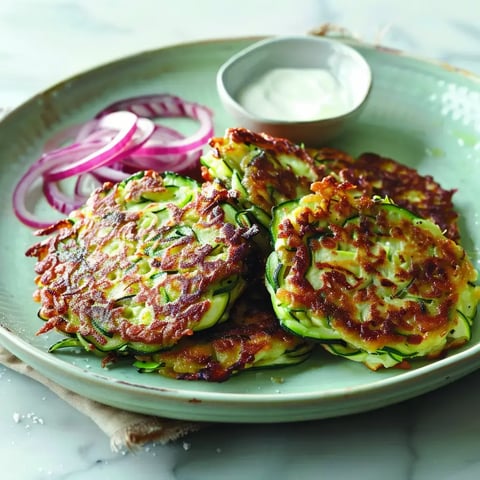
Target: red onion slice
pixel 124 123
pixel 59 200
pixel 161 106
pixel 23 187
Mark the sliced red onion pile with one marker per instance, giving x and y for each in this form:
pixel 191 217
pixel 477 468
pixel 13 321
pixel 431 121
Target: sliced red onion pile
pixel 122 139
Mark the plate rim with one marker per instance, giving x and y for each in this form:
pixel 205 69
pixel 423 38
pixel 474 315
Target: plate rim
pixel 410 375
pixel 468 358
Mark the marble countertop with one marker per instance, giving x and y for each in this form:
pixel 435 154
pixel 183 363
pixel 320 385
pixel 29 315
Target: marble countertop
pixel 435 436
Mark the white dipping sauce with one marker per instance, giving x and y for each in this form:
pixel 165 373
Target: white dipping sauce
pixel 295 94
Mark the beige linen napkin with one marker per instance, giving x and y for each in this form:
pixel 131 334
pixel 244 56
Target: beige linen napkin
pixel 126 430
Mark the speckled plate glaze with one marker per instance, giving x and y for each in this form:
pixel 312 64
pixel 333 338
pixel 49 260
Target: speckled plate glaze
pixel 422 113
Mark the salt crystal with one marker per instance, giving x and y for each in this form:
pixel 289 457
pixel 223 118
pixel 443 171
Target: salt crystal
pixel 17 418
pixel 38 420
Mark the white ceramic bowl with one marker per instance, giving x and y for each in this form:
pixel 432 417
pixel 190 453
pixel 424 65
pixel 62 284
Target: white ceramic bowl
pixel 347 66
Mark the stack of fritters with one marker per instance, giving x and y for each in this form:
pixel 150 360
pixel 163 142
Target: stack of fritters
pixel 362 255
pixel 368 264
pixel 147 263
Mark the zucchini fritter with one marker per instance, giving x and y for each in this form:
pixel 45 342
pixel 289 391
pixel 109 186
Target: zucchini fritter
pixel 370 280
pixel 251 338
pixel 377 175
pixel 263 170
pixel 143 264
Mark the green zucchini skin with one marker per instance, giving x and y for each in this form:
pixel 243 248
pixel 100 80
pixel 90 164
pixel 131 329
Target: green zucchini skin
pixel 369 280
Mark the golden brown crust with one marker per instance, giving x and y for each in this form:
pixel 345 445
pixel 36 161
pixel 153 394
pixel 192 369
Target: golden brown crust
pixel 267 142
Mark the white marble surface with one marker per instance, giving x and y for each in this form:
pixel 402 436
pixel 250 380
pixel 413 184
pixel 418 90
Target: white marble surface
pixel 436 436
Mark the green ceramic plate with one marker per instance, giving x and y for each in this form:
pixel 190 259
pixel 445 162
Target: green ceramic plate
pixel 421 113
